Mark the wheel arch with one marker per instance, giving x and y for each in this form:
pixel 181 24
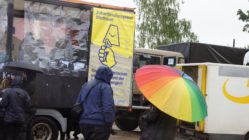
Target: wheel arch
pixel 55 115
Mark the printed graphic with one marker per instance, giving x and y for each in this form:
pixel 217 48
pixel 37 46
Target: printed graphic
pixel 112 36
pixel 112 45
pixel 241 100
pixel 106 54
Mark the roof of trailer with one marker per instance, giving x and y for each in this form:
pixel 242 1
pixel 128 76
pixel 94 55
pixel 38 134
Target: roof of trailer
pixel 157 52
pixel 96 4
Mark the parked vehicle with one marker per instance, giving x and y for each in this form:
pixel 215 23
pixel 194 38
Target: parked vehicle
pixel 225 88
pixel 200 52
pixel 129 119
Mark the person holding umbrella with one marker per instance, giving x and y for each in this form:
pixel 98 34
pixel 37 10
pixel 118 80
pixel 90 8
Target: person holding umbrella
pixel 174 95
pixel 16 101
pixel 157 125
pixel 5 83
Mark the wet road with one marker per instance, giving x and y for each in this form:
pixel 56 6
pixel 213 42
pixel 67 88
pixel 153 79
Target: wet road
pixel 120 135
pixel 133 135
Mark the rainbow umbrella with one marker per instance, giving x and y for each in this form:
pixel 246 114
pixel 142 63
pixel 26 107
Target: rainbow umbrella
pixel 172 91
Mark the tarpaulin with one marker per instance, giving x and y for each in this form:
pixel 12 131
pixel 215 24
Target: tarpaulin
pixel 55 37
pixel 199 52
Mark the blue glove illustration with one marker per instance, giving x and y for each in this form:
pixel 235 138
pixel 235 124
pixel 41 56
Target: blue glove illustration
pixel 106 56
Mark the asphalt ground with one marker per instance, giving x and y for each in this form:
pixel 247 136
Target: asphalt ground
pixel 119 135
pixel 131 135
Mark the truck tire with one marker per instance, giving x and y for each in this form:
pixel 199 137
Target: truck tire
pixel 126 121
pixel 45 128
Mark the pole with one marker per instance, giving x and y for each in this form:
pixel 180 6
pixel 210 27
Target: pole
pixel 233 43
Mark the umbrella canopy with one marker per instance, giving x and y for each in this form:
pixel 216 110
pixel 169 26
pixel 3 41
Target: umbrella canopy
pixel 172 91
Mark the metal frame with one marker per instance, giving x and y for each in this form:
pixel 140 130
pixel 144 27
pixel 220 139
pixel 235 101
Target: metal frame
pixel 61 3
pixel 10 30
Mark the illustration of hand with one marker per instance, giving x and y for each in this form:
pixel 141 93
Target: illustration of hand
pixel 106 56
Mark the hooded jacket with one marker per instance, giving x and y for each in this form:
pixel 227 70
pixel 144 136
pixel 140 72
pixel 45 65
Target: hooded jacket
pixel 99 104
pixel 15 101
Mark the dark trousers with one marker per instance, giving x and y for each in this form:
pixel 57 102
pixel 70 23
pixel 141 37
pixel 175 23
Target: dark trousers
pixel 15 131
pixel 73 126
pixel 93 132
pixel 28 128
pixel 2 132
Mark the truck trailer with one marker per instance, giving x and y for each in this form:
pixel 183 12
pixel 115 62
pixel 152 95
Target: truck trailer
pixel 201 52
pixel 225 88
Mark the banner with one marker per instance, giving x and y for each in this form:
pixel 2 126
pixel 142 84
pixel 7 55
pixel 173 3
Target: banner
pixel 112 44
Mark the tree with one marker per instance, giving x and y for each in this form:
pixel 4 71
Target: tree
pixel 158 23
pixel 244 16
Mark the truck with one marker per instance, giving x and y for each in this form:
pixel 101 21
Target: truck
pixel 225 88
pixel 58 45
pixel 202 52
pixel 129 118
pixel 226 63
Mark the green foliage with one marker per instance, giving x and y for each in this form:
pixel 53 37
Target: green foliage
pixel 245 18
pixel 247 46
pixel 158 23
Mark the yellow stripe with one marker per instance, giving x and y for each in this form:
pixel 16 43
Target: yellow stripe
pixel 203 90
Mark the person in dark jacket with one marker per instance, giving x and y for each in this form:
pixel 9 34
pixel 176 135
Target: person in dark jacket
pixel 16 101
pixel 98 116
pixel 2 111
pixel 5 83
pixel 157 125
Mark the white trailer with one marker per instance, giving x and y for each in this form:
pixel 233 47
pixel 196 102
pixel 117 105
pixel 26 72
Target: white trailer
pixel 226 90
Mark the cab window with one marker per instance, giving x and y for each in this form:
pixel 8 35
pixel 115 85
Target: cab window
pixel 170 61
pixel 143 59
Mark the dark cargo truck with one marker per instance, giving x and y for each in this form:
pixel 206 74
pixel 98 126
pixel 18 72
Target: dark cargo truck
pixel 200 52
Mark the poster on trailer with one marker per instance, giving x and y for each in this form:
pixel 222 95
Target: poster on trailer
pixel 112 45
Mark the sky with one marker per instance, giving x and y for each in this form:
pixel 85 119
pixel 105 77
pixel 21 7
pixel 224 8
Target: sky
pixel 213 21
pixel 216 21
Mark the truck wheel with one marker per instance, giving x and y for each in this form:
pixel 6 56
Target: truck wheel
pixel 126 121
pixel 44 128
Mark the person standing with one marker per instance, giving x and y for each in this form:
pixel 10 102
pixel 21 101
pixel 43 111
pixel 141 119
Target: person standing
pixel 2 111
pixel 157 125
pixel 16 101
pixel 5 83
pixel 97 119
